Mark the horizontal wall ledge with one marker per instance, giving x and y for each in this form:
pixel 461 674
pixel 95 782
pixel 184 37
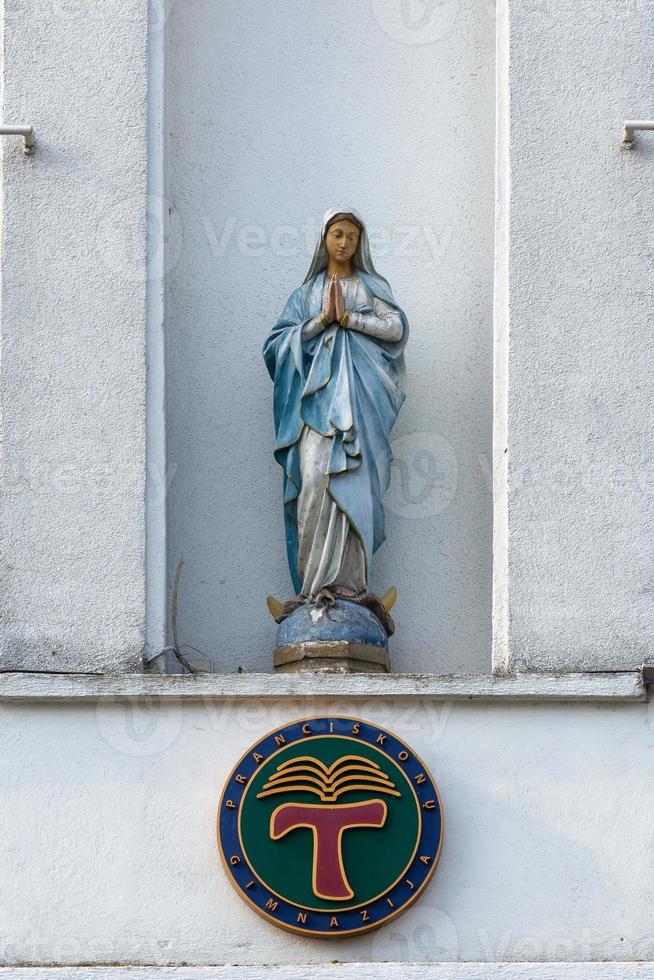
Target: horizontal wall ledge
pixel 627 686
pixel 332 971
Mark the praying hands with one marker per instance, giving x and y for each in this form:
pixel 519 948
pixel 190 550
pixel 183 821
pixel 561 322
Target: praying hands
pixel 334 311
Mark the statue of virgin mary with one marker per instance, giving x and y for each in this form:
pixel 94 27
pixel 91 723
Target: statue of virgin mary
pixel 336 360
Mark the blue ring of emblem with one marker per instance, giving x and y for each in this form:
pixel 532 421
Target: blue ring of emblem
pixel 325 924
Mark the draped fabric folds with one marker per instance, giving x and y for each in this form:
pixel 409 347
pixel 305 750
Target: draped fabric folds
pixel 346 386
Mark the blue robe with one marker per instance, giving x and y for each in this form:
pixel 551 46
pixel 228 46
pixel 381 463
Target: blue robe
pixel 345 385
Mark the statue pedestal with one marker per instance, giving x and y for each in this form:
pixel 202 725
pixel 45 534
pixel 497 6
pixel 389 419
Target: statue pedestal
pixel 341 638
pixel 339 657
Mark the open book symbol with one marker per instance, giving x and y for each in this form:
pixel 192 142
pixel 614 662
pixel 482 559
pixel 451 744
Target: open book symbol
pixel 310 775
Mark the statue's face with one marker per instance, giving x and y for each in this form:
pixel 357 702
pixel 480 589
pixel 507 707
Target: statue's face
pixel 342 240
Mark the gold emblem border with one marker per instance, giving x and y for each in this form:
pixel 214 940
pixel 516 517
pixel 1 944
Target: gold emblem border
pixel 317 932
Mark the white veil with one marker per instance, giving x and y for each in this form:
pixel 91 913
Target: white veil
pixel 362 258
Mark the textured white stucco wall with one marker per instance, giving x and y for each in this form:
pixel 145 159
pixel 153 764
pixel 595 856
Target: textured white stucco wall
pixel 336 971
pixel 575 570
pixel 108 852
pixel 72 384
pixel 276 111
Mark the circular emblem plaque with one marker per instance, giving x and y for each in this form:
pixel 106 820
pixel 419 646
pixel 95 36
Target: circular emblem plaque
pixel 330 826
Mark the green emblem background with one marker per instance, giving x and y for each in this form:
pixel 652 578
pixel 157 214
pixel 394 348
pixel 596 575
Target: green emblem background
pixel 374 858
